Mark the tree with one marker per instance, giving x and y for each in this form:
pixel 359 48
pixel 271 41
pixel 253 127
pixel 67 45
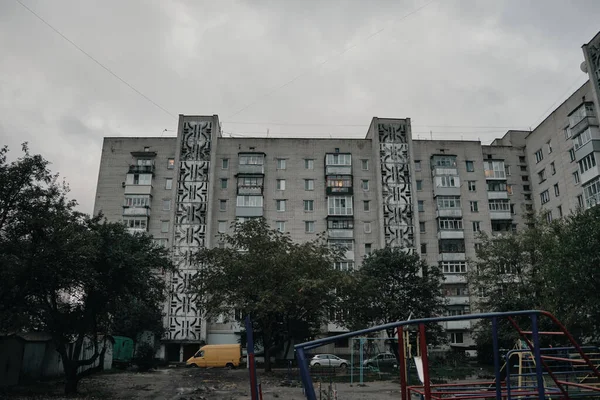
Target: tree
pixel 391 285
pixel 65 273
pixel 286 287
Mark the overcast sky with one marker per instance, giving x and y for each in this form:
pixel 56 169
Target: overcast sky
pixel 459 68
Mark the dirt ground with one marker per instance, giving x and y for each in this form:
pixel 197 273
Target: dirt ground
pixel 178 383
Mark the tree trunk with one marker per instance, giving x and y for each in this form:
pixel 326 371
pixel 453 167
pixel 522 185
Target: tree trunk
pixel 71 379
pixel 393 345
pixel 268 358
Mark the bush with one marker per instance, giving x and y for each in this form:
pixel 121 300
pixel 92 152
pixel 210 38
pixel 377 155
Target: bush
pixel 144 357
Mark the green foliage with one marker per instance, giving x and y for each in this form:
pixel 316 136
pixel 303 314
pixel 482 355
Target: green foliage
pixel 547 266
pixel 390 285
pixel 144 357
pixel 286 287
pixel 66 273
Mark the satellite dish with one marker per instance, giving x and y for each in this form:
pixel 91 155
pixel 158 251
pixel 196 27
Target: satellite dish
pixel 583 67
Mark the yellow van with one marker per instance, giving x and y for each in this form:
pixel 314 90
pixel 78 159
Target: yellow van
pixel 216 355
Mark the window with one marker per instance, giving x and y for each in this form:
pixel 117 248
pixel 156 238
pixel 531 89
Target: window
pixel 454 267
pixel 572 154
pixel 527 196
pixel 417 165
pixel 495 169
pixel 280 226
pixel 281 163
pixel 552 168
pixel 344 265
pixel 509 189
pixel 576 177
pixel 249 201
pixel 309 184
pixel 225 163
pixel 222 205
pixel 447 181
pixel 587 162
pixel 309 163
pixel 456 337
pixel 280 205
pixel 539 156
pixel 135 222
pixel 472 187
pixel 340 224
pixel 512 209
pixel 542 176
pixel 367 227
pixel 419 185
pixel 423 248
pixel 495 186
pixel 525 178
pixel 584 138
pixel 549 146
pixel 367 248
pixel 309 205
pixel 450 224
pixel 560 212
pixel 452 246
pixel 421 205
pixel 141 179
pixel 309 226
pixel 529 207
pixel 549 216
pixel 338 159
pixel 339 181
pixel 470 166
pixel 499 205
pixel 476 226
pixel 474 206
pixel 523 168
pixel 166 205
pixel 526 188
pixel 280 184
pixel 448 202
pixel 339 205
pixel 137 201
pixel 545 197
pixel 168 183
pixel 522 159
pixel 366 205
pixel 507 170
pixel 365 184
pixel 223 183
pixel 164 226
pixel 146 149
pixel 568 133
pixel 556 190
pixel 170 163
pixel 580 200
pixel 222 226
pixel 251 160
pixel 364 165
pixel 341 244
pixel 422 227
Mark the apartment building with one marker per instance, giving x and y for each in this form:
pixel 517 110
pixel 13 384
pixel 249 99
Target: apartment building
pixel 432 197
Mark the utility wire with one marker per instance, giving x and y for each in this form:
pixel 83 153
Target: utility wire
pixel 309 69
pixel 543 116
pixel 96 61
pixel 366 125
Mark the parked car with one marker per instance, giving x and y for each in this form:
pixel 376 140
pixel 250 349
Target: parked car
pixel 328 360
pixel 381 360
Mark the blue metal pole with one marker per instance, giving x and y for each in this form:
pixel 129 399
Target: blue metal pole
pixel 250 358
pixel 309 389
pixel 351 361
pixel 538 358
pixel 508 376
pixel 496 357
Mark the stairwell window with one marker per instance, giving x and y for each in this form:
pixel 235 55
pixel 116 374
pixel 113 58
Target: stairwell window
pixel 544 197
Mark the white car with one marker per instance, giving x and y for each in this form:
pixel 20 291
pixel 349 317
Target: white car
pixel 328 360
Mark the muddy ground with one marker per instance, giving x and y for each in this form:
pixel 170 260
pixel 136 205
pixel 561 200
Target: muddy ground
pixel 178 383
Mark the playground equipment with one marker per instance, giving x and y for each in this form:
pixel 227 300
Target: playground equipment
pixel 566 372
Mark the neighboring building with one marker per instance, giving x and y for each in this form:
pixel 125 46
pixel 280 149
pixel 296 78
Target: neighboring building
pixel 432 197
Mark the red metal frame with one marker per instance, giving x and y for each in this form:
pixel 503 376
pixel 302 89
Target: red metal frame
pixel 402 362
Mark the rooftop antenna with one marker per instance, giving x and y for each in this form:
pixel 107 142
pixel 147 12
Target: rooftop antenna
pixel 166 130
pixel 267 132
pixel 431 134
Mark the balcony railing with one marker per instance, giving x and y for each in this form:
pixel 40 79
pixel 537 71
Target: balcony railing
pixel 495 174
pixel 142 211
pixel 141 169
pixel 250 190
pixel 339 190
pixel 251 169
pixel 583 124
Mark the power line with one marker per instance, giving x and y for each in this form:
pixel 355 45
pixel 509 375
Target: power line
pixel 309 69
pixel 96 61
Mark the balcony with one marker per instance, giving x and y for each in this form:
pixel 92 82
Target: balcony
pixel 449 213
pixel 451 234
pixel 495 174
pixel 338 170
pixel 340 233
pixel 243 211
pixel 138 189
pixel 583 124
pixel 250 190
pixel 500 215
pixel 251 169
pixel 446 191
pixel 138 211
pixel 141 169
pixel 437 171
pixel 457 300
pixel 497 195
pixel 455 278
pixel 457 325
pixel 452 256
pixel 581 118
pixel 339 190
pixel 136 230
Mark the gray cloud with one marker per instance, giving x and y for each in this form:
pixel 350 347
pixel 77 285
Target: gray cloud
pixel 455 62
